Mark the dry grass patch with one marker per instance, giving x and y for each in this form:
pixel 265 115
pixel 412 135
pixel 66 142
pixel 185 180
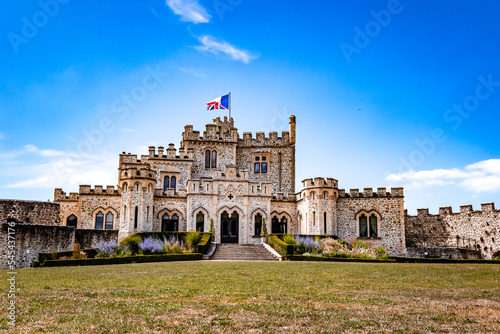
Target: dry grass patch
pixel 259 297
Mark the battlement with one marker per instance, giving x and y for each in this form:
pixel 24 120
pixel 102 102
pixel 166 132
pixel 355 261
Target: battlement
pixel 98 190
pixel 447 210
pixel 170 153
pixel 260 139
pixel 60 195
pixel 320 182
pixel 368 192
pixel 219 130
pixel 137 173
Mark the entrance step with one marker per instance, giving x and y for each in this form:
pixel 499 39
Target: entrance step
pixel 238 252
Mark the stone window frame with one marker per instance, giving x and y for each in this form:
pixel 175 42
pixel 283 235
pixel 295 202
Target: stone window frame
pixel 252 219
pixel 211 149
pixel 267 155
pixel 368 214
pixel 169 174
pixel 105 211
pixel 206 218
pixel 281 215
pixel 65 219
pixel 170 212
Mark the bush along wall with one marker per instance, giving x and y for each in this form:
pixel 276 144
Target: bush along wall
pixel 180 244
pixel 118 260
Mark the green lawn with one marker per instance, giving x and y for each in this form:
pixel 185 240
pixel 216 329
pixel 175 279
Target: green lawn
pixel 259 297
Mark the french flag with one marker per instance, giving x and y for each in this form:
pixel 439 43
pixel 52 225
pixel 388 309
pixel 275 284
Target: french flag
pixel 222 102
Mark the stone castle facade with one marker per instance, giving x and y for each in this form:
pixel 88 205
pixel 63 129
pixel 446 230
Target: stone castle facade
pixel 237 181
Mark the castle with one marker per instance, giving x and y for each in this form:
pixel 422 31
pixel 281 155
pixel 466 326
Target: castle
pixel 238 181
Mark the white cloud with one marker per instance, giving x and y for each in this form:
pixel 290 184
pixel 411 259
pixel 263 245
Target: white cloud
pixel 36 168
pixel 482 176
pixel 189 11
pixel 192 71
pixel 212 45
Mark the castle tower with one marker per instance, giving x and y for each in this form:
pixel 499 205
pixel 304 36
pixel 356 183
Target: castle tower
pixel 137 184
pixel 317 206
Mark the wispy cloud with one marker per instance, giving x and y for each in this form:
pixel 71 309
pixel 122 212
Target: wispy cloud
pixel 189 11
pixel 212 45
pixel 482 176
pixel 32 167
pixel 192 71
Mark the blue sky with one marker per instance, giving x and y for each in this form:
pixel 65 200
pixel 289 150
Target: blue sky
pixel 386 93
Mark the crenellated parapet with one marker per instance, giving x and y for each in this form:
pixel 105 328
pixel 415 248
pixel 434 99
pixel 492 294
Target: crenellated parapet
pixel 219 131
pixel 260 139
pixel 486 208
pixel 368 192
pixel 319 182
pixel 98 190
pixel 60 196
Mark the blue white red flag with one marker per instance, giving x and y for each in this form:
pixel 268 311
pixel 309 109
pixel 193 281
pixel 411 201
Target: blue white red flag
pixel 222 102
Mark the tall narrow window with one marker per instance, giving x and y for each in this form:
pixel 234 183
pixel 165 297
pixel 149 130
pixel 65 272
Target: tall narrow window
pixel 275 225
pixel 363 228
pixel 324 223
pixel 109 221
pixel 165 183
pixel 373 226
pixel 147 214
pixel 200 222
pixel 175 223
pixel 283 225
pixel 172 182
pixel 99 219
pixel 207 159
pixel 136 217
pixel 258 224
pixel 314 217
pixel 214 159
pixel 256 167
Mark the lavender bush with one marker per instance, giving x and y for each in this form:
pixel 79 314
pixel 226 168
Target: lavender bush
pixel 306 245
pixel 151 246
pixel 107 249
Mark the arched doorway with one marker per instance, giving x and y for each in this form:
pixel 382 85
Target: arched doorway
pixel 170 223
pixel 229 228
pixel 72 221
pixel 279 226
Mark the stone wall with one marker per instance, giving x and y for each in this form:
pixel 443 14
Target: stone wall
pixel 33 239
pixel 91 238
pixel 480 228
pixel 389 206
pixel 444 253
pixel 29 212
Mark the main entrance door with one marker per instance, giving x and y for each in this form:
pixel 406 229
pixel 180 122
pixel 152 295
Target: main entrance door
pixel 229 228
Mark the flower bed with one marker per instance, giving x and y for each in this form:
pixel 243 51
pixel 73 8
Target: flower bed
pixel 320 246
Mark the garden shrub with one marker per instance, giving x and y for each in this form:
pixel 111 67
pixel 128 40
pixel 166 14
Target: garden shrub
pixel 132 242
pixel 192 239
pixel 151 246
pixel 289 239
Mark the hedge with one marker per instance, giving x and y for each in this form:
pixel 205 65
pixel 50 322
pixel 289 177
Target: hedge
pixel 118 260
pixel 42 257
pixel 333 259
pixel 204 243
pixel 440 260
pixel 393 259
pixel 279 245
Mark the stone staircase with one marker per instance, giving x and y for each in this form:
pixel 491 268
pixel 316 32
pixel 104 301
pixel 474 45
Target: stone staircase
pixel 238 252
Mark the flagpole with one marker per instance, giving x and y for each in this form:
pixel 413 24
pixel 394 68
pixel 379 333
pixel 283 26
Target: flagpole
pixel 229 105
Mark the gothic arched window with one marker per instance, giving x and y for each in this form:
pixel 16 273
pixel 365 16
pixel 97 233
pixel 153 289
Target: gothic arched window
pixel 363 228
pixel 200 222
pixel 109 221
pixel 99 219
